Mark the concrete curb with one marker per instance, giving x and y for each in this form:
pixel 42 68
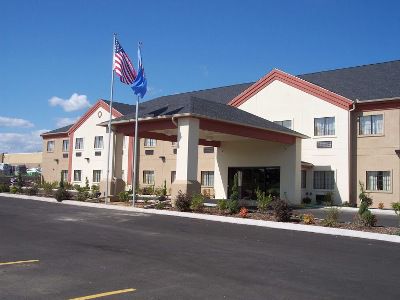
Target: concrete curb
pixel 232 220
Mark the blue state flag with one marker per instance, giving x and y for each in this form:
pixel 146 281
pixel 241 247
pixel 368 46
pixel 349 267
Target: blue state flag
pixel 139 86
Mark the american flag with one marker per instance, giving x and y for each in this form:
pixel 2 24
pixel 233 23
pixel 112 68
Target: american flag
pixel 122 65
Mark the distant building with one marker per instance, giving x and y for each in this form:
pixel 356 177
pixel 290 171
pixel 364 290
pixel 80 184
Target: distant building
pixel 30 160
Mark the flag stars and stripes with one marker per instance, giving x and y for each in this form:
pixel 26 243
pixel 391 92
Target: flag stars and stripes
pixel 122 65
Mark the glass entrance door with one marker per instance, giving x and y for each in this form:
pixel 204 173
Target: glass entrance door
pixel 267 179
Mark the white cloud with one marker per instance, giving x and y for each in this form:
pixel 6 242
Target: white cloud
pixel 75 102
pixel 21 142
pixel 14 122
pixel 61 122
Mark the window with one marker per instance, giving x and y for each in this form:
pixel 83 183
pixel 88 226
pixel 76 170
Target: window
pixel 207 178
pixel 77 175
pixel 65 145
pixel 303 179
pixel 97 153
pixel 208 149
pixel 65 155
pixel 369 125
pixel 174 150
pixel 173 176
pixel 64 175
pixel 96 175
pixel 285 123
pixel 79 143
pixel 98 142
pixel 148 152
pixel 324 126
pixel 50 146
pixel 378 180
pixel 148 177
pixel 149 142
pixel 324 180
pixel 78 154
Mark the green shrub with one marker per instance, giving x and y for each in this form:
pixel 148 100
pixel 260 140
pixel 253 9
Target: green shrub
pixel 62 194
pixel 222 204
pixel 13 189
pixel 396 208
pixel 76 187
pixel 183 201
pixel 233 206
pixel 82 195
pixel 87 187
pixel 197 203
pixel 160 205
pixel 306 200
pixel 368 218
pixel 32 191
pixel 4 188
pixel 235 188
pixel 331 217
pixel 364 196
pixel 328 199
pixel 281 209
pixel 20 182
pixel 263 201
pixel 123 196
pixel 47 188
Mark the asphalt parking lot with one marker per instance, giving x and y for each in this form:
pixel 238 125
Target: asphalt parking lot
pixel 79 252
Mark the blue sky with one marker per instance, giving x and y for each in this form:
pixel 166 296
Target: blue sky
pixel 62 50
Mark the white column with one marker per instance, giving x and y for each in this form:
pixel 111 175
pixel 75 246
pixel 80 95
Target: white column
pixel 187 157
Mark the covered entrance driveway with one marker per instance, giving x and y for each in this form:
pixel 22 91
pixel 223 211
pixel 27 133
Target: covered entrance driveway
pixel 241 140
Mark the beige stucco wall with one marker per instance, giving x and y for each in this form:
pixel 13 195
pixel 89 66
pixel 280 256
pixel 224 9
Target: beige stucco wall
pixel 255 153
pixel 163 167
pixel 377 153
pixel 53 162
pixel 31 160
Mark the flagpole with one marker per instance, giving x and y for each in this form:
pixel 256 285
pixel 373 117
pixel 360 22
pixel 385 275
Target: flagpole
pixel 135 153
pixel 109 123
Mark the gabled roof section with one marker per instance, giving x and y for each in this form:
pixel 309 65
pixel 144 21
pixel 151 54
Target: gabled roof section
pixel 123 108
pixel 295 82
pixel 366 82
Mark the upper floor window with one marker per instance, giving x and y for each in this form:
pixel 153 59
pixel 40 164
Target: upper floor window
pixel 285 123
pixel 324 126
pixel 65 145
pixel 98 142
pixel 79 143
pixel 149 142
pixel 378 180
pixel 208 149
pixel 50 146
pixel 372 124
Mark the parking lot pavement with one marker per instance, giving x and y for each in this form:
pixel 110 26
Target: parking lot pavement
pixel 84 252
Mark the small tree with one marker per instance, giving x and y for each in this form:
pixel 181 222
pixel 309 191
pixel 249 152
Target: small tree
pixel 396 208
pixel 20 181
pixel 366 217
pixel 235 188
pixel 87 187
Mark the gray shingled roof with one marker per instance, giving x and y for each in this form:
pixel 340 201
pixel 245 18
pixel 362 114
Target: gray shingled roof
pixel 367 82
pixel 203 108
pixel 59 130
pixel 123 108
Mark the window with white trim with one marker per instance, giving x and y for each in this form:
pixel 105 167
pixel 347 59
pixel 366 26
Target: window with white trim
pixel 370 125
pixel 65 146
pixel 77 175
pixel 324 180
pixel 96 176
pixel 378 181
pixel 98 142
pixel 324 126
pixel 150 142
pixel 285 123
pixel 148 177
pixel 79 143
pixel 50 146
pixel 207 178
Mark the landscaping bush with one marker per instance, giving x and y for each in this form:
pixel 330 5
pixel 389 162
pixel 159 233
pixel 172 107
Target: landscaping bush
pixel 222 205
pixel 306 200
pixel 20 182
pixel 62 194
pixel 13 189
pixel 183 201
pixel 364 196
pixel 308 219
pixel 197 203
pixel 348 204
pixel 396 208
pixel 233 206
pixel 48 188
pixel 381 205
pixel 235 188
pixel 160 205
pixel 365 216
pixel 4 188
pixel 32 191
pixel 281 209
pixel 331 217
pixel 328 199
pixel 368 218
pixel 123 196
pixel 263 201
pixel 83 194
pixel 244 212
